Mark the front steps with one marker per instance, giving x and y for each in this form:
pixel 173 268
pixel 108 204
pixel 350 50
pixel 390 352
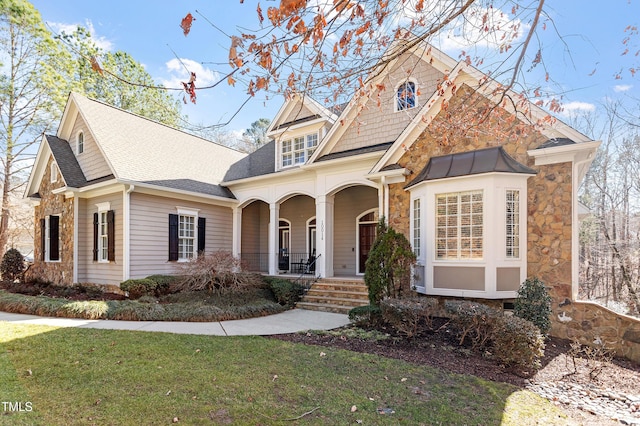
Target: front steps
pixel 335 295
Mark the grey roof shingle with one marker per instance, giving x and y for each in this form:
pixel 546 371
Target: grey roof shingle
pixel 194 186
pixel 494 159
pixel 258 163
pixel 551 143
pixel 67 162
pixel 356 151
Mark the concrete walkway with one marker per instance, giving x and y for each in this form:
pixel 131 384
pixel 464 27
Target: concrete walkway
pixel 286 322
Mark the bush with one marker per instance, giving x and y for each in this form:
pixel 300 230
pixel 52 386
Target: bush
pixel 472 320
pixel 534 304
pixel 163 283
pixel 218 272
pixel 286 293
pixel 368 315
pixel 12 265
pixel 406 315
pixel 139 287
pixel 517 342
pixel 388 267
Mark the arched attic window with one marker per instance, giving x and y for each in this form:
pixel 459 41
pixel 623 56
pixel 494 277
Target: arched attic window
pixel 80 143
pixel 406 95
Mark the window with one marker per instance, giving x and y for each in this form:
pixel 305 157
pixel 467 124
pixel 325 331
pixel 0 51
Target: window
pixel 54 172
pixel 406 96
pixel 104 244
pixel 459 225
pixel 186 235
pixel 80 146
pixel 299 149
pixel 416 227
pixel 50 238
pixel 512 222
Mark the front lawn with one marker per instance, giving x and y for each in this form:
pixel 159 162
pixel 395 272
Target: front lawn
pixel 84 376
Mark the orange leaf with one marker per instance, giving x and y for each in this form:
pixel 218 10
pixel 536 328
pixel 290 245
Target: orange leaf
pixel 95 66
pixel 260 17
pixel 186 23
pixel 231 81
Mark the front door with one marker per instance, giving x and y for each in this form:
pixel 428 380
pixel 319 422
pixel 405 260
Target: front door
pixel 367 232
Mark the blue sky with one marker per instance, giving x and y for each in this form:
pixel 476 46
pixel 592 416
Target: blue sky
pixel 149 30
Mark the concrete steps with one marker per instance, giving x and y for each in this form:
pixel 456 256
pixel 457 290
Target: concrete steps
pixel 335 295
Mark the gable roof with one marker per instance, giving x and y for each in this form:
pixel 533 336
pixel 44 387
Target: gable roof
pixel 67 162
pixel 260 162
pixel 487 160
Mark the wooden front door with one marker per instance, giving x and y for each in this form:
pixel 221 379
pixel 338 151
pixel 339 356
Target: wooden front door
pixel 367 232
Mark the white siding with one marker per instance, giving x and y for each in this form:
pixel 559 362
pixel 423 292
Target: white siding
pixel 379 124
pixel 90 271
pixel 150 232
pixel 91 161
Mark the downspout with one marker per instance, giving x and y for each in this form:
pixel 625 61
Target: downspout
pixel 126 229
pixel 76 210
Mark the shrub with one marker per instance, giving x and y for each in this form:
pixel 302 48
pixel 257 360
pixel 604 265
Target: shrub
pixel 388 267
pixel 218 272
pixel 12 265
pixel 472 320
pixel 163 283
pixel 534 304
pixel 406 315
pixel 517 342
pixel 286 293
pixel 139 287
pixel 368 315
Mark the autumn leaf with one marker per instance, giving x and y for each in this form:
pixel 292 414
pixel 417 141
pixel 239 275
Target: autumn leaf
pixel 95 65
pixel 186 22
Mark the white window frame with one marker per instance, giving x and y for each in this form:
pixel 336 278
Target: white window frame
pixel 54 172
pixel 512 224
pixel 103 232
pixel 47 244
pixel 298 149
pixel 191 240
pixel 80 142
pixel 416 230
pixel 458 220
pixel 396 99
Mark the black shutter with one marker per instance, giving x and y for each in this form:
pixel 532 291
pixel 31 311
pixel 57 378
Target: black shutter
pixel 95 237
pixel 202 222
pixel 173 237
pixel 111 236
pixel 43 238
pixel 54 238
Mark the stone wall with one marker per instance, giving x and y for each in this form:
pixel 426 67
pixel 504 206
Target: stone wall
pixel 594 325
pixel 549 192
pixel 51 204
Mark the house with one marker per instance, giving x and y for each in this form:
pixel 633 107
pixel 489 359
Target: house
pixel 484 186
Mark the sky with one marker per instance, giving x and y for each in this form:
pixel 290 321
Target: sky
pixel 582 64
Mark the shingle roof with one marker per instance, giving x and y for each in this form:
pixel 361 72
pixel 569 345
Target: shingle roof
pixel 193 186
pixel 356 151
pixel 67 162
pixel 143 150
pixel 260 162
pixel 494 159
pixel 551 143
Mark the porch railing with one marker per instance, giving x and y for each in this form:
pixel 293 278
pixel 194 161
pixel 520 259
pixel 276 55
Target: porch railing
pixel 292 263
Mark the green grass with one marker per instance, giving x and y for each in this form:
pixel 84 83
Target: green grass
pixel 86 376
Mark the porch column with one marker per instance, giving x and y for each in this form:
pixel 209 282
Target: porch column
pixel 274 217
pixel 236 244
pixel 324 237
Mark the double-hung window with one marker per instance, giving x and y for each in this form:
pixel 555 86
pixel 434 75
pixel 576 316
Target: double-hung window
pixel 186 236
pixel 512 224
pixel 459 225
pixel 104 233
pixel 298 150
pixel 187 231
pixel 50 238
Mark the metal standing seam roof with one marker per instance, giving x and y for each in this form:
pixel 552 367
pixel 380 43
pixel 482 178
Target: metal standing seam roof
pixel 487 160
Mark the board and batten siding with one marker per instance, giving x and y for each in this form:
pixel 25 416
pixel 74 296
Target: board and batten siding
pixel 91 160
pixel 348 205
pixel 90 271
pixel 149 232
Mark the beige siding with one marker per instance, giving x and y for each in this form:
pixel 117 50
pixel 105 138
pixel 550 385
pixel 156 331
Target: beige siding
pixel 297 113
pixel 255 228
pixel 349 204
pixel 91 161
pixel 150 232
pixel 379 124
pixel 90 271
pixel 298 210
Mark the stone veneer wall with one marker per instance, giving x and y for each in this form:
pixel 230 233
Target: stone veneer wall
pixel 548 225
pixel 54 272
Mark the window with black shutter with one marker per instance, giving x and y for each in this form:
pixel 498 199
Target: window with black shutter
pixel 54 238
pixel 202 222
pixel 173 237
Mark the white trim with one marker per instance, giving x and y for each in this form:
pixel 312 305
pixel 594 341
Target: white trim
pixel 188 212
pixel 126 232
pixel 47 239
pixel 53 171
pixel 76 212
pixel 308 228
pixel 103 206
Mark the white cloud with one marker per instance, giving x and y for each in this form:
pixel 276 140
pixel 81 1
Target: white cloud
pixel 622 88
pixel 100 41
pixel 178 73
pixel 572 108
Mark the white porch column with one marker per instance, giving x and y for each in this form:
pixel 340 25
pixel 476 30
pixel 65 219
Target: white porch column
pixel 274 218
pixel 324 236
pixel 236 244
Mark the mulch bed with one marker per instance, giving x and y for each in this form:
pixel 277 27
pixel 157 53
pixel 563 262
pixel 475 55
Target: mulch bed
pixel 78 292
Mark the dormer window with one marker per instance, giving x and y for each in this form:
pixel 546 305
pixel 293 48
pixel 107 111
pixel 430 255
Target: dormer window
pixel 298 150
pixel 406 96
pixel 80 143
